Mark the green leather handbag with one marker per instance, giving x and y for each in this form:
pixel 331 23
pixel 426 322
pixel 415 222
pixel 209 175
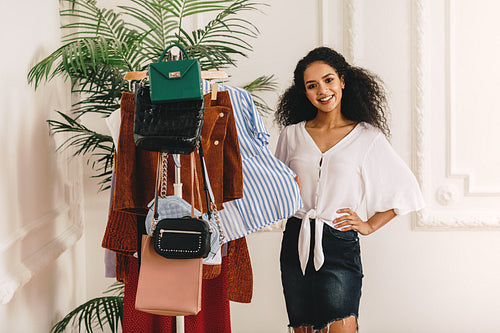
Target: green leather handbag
pixel 178 80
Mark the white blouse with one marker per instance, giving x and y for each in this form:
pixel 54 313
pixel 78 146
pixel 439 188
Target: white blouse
pixel 361 172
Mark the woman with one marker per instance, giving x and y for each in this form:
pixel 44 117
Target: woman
pixel 335 140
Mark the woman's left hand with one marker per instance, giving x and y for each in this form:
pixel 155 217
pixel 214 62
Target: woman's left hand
pixel 351 221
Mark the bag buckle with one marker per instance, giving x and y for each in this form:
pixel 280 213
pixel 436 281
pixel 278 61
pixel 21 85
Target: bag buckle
pixel 173 75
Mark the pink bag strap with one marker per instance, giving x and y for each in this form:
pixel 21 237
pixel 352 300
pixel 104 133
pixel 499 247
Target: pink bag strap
pixel 192 167
pixel 157 184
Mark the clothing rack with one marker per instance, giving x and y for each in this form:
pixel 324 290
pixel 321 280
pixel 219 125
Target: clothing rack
pixel 207 75
pixel 179 320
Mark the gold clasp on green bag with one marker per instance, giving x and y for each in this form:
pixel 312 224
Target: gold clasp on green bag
pixel 173 75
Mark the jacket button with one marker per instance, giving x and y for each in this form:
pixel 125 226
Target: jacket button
pixel 221 114
pixel 216 142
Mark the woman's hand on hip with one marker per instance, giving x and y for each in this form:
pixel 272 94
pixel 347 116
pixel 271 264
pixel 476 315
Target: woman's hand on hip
pixel 351 221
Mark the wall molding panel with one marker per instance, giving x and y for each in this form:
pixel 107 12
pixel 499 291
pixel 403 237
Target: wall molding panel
pixel 352 30
pixel 323 22
pixel 32 248
pixel 47 219
pixel 452 112
pixel 452 202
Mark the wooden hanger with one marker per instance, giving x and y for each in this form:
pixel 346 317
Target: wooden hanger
pixel 207 75
pixel 214 75
pixel 213 95
pixel 132 76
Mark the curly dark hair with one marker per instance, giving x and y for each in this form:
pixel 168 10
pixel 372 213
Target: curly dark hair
pixel 363 98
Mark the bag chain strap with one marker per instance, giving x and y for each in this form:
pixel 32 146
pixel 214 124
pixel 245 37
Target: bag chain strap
pixel 164 175
pixel 154 220
pixel 215 213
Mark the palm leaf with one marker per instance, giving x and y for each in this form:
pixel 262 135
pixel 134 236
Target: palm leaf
pixel 98 148
pixel 117 289
pixel 156 25
pixel 100 37
pixel 96 313
pixel 265 83
pixel 85 140
pixel 223 37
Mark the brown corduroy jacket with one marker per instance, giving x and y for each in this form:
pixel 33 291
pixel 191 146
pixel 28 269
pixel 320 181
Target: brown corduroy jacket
pixel 135 172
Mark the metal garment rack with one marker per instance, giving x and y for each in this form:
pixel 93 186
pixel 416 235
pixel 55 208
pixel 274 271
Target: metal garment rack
pixel 179 320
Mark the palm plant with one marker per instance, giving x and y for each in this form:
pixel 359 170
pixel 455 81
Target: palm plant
pixel 99 46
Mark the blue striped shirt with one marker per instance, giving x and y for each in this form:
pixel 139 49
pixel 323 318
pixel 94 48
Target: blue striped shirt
pixel 270 193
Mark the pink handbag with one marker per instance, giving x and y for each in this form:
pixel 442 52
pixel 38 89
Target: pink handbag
pixel 168 287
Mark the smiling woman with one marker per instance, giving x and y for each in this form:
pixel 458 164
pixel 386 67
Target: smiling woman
pixel 334 141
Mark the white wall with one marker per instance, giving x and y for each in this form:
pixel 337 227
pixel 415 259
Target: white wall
pixel 42 261
pixel 416 281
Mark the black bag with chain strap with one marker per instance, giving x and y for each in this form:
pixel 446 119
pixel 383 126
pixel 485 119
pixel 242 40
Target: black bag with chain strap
pixel 186 237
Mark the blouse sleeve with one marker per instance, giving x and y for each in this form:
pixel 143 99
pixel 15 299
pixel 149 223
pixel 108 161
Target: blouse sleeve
pixel 389 183
pixel 259 130
pixel 281 147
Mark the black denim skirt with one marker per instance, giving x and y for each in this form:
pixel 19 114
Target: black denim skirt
pixel 332 293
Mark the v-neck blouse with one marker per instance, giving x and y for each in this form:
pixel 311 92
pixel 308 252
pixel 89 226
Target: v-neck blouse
pixel 361 172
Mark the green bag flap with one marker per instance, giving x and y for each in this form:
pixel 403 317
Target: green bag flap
pixel 172 70
pixel 175 81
